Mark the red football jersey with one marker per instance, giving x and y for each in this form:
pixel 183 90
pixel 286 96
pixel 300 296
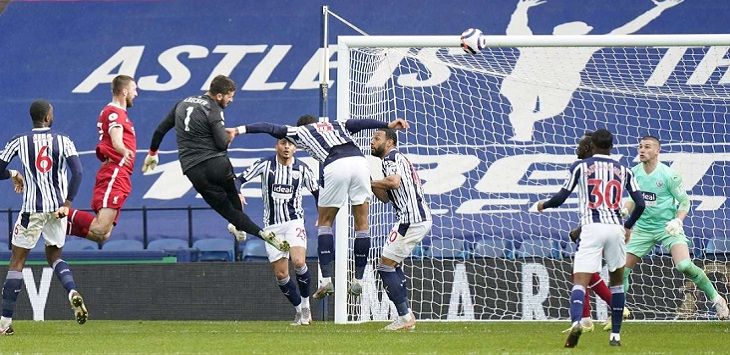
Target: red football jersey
pixel 114 116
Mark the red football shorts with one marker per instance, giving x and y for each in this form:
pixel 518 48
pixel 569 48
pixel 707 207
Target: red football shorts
pixel 112 188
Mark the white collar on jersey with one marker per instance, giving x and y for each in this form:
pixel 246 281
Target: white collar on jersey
pixel 41 129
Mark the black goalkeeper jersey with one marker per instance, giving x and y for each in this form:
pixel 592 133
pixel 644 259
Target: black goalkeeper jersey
pixel 200 129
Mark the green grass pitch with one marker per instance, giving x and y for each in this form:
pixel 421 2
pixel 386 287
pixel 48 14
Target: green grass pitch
pixel 325 338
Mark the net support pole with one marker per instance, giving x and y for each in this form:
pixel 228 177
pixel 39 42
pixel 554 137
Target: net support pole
pixel 342 221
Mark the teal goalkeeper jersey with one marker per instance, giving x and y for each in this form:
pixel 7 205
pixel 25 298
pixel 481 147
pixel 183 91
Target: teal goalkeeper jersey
pixel 662 191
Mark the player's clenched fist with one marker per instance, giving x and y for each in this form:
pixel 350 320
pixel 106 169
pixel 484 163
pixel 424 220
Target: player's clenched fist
pixel 150 162
pixel 398 123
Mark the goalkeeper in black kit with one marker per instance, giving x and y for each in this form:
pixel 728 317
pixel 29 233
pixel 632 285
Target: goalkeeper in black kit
pixel 202 143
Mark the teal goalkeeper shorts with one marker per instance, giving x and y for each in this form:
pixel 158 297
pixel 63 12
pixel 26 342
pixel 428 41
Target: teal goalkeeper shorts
pixel 642 242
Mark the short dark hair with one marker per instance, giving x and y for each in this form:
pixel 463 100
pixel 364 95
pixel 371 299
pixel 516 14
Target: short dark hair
pixel 390 134
pixel 305 120
pixel 652 138
pixel 120 82
pixel 39 110
pixel 586 137
pixel 602 139
pixel 222 84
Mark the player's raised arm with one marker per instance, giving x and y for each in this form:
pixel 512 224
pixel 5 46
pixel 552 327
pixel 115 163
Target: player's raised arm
pixel 355 126
pixel 274 130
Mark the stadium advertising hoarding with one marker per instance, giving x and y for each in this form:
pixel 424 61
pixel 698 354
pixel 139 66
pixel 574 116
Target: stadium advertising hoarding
pixel 529 289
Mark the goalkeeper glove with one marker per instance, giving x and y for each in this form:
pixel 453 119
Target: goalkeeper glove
pixel 674 227
pixel 150 162
pixel 624 212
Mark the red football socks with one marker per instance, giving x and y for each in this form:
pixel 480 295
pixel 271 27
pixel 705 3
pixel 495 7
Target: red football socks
pixel 79 222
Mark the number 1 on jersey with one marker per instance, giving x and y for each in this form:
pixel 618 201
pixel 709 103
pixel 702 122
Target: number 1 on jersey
pixel 189 110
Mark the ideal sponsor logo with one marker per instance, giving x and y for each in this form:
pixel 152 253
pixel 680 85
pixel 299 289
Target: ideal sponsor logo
pixel 282 189
pixel 648 196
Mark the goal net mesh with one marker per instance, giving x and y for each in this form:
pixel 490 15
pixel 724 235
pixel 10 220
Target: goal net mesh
pixel 493 133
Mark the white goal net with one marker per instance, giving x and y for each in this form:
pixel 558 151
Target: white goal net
pixel 493 133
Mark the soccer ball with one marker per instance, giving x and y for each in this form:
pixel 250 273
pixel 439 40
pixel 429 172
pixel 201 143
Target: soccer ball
pixel 470 41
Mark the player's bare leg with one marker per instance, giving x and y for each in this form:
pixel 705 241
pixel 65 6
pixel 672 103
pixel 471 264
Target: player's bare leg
pixel 325 250
pixel 361 246
pixel 101 227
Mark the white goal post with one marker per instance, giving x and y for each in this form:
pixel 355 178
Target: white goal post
pixel 493 133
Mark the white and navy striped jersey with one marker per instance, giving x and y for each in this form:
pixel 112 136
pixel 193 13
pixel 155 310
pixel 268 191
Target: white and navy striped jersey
pixel 318 138
pixel 602 182
pixel 408 199
pixel 281 188
pixel 44 155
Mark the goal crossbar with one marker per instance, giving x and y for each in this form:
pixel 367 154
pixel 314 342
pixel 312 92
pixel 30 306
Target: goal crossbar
pixel 542 41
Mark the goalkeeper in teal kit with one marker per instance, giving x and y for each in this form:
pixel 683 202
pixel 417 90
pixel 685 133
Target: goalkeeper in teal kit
pixel 667 204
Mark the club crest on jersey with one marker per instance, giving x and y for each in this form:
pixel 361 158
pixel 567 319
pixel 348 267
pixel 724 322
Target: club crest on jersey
pixel 659 184
pixel 296 174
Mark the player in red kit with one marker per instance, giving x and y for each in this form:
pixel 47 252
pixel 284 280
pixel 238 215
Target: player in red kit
pixel 116 151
